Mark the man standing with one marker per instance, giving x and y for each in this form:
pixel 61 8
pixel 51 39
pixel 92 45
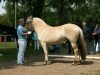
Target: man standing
pixel 87 34
pixel 96 36
pixel 22 41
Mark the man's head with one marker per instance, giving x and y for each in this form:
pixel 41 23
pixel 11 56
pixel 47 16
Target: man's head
pixel 97 25
pixel 21 21
pixel 84 24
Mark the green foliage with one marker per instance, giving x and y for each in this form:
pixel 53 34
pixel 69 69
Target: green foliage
pixel 8 18
pixel 3 19
pixel 56 12
pixel 10 13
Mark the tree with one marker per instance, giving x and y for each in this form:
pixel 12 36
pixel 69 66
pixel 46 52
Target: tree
pixel 56 12
pixel 3 19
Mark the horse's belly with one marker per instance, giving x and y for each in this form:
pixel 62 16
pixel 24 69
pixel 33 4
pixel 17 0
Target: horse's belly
pixel 57 41
pixel 53 38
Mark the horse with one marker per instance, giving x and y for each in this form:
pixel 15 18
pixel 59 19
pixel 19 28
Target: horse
pixel 49 35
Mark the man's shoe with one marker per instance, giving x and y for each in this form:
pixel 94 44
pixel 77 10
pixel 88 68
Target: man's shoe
pixel 20 63
pixel 25 61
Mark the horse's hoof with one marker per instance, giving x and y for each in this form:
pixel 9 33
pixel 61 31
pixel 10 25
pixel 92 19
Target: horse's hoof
pixel 79 62
pixel 46 62
pixel 74 64
pixel 83 62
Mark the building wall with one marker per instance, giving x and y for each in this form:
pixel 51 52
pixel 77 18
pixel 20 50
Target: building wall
pixel 10 33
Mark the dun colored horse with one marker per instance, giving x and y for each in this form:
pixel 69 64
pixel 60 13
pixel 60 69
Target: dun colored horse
pixel 49 35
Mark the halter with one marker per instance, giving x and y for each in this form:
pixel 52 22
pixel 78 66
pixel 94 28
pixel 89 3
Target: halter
pixel 28 22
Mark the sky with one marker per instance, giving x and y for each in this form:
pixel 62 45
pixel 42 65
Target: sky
pixel 2 10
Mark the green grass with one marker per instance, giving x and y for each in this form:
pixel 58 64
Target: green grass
pixel 7 45
pixel 10 52
pixel 97 72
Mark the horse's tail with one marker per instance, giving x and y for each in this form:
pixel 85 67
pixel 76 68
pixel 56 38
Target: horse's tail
pixel 81 45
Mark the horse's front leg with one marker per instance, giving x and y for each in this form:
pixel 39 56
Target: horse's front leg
pixel 46 62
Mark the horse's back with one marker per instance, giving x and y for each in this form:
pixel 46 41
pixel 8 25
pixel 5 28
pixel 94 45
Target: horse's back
pixel 72 26
pixel 72 31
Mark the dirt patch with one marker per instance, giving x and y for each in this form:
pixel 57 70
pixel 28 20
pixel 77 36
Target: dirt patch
pixel 59 66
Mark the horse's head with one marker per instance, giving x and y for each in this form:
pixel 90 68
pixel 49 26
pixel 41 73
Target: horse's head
pixel 28 24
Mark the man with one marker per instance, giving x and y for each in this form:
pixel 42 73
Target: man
pixel 96 36
pixel 87 36
pixel 22 41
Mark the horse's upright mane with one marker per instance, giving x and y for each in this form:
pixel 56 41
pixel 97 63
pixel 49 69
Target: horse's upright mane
pixel 38 19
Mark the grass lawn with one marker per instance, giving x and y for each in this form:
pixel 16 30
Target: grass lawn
pixel 10 52
pixel 98 72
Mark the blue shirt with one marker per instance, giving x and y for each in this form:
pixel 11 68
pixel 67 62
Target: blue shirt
pixel 20 32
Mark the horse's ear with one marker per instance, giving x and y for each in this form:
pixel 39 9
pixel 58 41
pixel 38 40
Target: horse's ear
pixel 33 19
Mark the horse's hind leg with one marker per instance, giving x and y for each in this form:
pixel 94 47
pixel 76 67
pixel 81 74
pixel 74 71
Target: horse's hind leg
pixel 75 48
pixel 46 62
